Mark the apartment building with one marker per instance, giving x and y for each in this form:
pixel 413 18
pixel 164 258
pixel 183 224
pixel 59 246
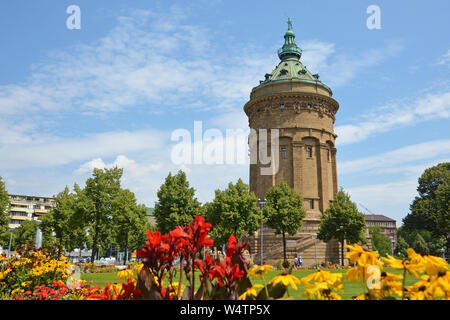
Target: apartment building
pixel 387 225
pixel 23 208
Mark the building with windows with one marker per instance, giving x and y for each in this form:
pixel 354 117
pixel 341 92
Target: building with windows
pixel 295 103
pixel 387 225
pixel 23 208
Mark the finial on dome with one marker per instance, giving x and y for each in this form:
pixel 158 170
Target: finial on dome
pixel 289 24
pixel 290 48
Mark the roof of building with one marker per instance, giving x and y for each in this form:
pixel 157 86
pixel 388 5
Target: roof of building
pixel 150 211
pixel 377 217
pixel 290 67
pixel 28 196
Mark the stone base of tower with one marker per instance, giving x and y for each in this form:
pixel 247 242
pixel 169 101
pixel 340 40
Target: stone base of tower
pixel 303 244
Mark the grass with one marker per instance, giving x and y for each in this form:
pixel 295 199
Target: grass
pixel 351 288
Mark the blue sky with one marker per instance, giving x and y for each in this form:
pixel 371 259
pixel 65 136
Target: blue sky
pixel 112 92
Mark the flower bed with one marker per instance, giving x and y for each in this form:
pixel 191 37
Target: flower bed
pixel 40 274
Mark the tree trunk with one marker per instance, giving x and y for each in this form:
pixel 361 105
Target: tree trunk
pixel 94 245
pixel 60 240
pixel 284 247
pixel 342 252
pixel 125 258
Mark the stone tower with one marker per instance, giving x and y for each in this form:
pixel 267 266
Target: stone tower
pixel 294 101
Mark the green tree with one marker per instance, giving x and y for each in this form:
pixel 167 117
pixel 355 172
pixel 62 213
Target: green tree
pixel 176 204
pixel 58 219
pixel 128 220
pixel 420 245
pixel 233 211
pixel 342 221
pixel 25 232
pixel 429 210
pixel 4 214
pixel 443 211
pixel 380 242
pixel 283 211
pixel 422 240
pixel 401 247
pixel 95 206
pixel 424 208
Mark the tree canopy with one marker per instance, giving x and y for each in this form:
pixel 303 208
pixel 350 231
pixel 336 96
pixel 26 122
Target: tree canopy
pixel 429 211
pixel 233 211
pixel 129 221
pixel 380 242
pixel 283 211
pixel 342 221
pixel 4 214
pixel 176 204
pixel 95 205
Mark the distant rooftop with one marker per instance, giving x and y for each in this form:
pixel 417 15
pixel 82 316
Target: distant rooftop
pixel 150 211
pixel 378 217
pixel 28 196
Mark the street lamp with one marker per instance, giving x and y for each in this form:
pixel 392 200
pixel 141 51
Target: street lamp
pixel 392 239
pixel 261 202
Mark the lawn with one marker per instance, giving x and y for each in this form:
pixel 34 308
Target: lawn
pixel 351 288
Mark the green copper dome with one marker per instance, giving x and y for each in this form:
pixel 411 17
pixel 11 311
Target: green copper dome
pixel 290 67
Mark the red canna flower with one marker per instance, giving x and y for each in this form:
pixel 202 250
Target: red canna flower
pixel 205 266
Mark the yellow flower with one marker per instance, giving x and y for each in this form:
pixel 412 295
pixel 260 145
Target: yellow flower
pixel 324 283
pixel 137 269
pixel 331 296
pixel 354 273
pixel 173 289
pixel 259 272
pixel 431 287
pixel 314 291
pixel 362 257
pixel 332 280
pixel 413 266
pixel 286 280
pixel 433 265
pixel 251 292
pixel 124 274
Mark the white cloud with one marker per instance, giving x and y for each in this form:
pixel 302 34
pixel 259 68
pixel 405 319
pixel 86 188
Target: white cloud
pixel 147 59
pixel 397 159
pixel 130 166
pixel 338 69
pixel 145 178
pixel 391 199
pixel 386 118
pixel 444 59
pixel 56 151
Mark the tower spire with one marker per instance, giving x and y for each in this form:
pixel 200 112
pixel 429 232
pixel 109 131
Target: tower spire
pixel 290 48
